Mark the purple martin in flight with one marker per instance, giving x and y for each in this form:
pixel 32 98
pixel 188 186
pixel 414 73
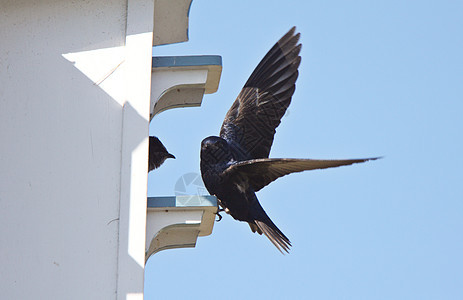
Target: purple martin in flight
pixel 235 165
pixel 157 154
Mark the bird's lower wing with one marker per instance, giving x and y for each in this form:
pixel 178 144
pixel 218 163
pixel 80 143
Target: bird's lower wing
pixel 261 172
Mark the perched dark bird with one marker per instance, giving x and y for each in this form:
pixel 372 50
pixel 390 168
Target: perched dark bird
pixel 157 154
pixel 235 165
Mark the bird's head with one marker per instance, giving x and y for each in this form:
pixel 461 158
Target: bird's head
pixel 157 153
pixel 213 141
pixel 215 149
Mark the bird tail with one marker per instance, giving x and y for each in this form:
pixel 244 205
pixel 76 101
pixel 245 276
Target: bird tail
pixel 272 232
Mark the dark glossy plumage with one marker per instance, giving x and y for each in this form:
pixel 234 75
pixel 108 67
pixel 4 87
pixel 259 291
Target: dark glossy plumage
pixel 236 165
pixel 157 154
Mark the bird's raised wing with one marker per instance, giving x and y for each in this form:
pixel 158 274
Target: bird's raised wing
pixel 251 121
pixel 260 172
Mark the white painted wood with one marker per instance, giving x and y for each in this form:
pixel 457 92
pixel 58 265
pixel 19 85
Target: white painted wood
pixel 176 222
pixel 60 150
pixel 171 21
pixel 134 167
pixel 182 86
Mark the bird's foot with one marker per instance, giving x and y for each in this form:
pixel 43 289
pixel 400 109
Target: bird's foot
pixel 219 215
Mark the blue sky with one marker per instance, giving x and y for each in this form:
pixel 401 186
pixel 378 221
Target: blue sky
pixel 377 78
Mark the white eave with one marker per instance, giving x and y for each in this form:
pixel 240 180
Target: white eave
pixel 181 81
pixel 170 21
pixel 177 221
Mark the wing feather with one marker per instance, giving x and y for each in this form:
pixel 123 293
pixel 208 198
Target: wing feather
pixel 250 124
pixel 260 172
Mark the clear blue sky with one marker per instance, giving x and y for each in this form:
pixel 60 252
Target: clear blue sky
pixel 377 78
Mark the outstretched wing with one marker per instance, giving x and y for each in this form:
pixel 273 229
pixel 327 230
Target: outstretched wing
pixel 251 121
pixel 260 172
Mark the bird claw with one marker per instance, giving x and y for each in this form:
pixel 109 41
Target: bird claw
pixel 218 214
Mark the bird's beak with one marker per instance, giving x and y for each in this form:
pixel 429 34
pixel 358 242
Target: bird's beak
pixel 170 156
